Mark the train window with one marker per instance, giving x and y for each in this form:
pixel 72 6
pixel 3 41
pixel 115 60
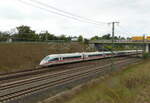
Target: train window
pixel 109 54
pixel 71 57
pixel 54 59
pixel 121 53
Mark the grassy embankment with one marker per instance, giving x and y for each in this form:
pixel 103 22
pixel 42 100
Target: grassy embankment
pixel 28 55
pixel 132 85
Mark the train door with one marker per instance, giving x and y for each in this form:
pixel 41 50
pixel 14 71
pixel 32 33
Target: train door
pixel 86 57
pixel 83 56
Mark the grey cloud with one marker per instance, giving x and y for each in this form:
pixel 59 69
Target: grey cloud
pixel 132 14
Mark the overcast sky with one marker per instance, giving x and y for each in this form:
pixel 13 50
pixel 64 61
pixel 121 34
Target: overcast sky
pixel 133 15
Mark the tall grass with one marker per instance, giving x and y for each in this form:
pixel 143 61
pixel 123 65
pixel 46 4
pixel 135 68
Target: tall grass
pixel 129 86
pixel 146 55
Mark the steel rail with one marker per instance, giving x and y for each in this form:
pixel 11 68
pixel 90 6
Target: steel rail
pixel 26 91
pixel 55 83
pixel 34 79
pixel 28 72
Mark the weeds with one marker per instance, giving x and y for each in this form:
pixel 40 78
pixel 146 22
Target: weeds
pixel 146 55
pixel 129 86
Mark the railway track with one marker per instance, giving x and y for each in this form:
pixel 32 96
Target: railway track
pixel 33 72
pixel 17 89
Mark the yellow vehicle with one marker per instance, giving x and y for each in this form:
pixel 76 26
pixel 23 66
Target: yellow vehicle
pixel 140 38
pixel 148 38
pixel 137 38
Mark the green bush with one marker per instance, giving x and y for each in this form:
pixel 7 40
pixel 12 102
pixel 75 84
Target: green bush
pixel 146 55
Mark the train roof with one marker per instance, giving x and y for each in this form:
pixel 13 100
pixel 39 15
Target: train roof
pixel 93 53
pixel 65 54
pixel 88 53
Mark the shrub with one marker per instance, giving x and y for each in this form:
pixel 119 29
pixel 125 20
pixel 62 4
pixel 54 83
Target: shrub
pixel 146 55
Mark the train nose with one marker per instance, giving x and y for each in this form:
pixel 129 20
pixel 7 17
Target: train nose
pixel 42 62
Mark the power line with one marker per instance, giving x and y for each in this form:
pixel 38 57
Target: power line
pixel 65 12
pixel 124 30
pixel 47 10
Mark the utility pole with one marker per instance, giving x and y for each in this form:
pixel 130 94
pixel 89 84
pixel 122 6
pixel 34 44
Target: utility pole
pixel 113 35
pixel 113 31
pixel 46 32
pixel 143 44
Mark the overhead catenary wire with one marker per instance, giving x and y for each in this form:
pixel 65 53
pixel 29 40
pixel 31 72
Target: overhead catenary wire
pixel 65 12
pixel 58 13
pixel 124 29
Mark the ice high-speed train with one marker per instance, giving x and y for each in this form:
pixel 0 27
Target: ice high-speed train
pixel 76 57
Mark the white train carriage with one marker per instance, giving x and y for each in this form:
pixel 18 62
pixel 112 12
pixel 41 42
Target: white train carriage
pixel 109 54
pixel 73 57
pixel 93 55
pixel 133 52
pixel 76 57
pixel 61 58
pixel 50 60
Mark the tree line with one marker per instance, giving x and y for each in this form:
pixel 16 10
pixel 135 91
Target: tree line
pixel 25 33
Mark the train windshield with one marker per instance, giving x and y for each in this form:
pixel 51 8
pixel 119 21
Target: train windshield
pixel 53 59
pixel 46 58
